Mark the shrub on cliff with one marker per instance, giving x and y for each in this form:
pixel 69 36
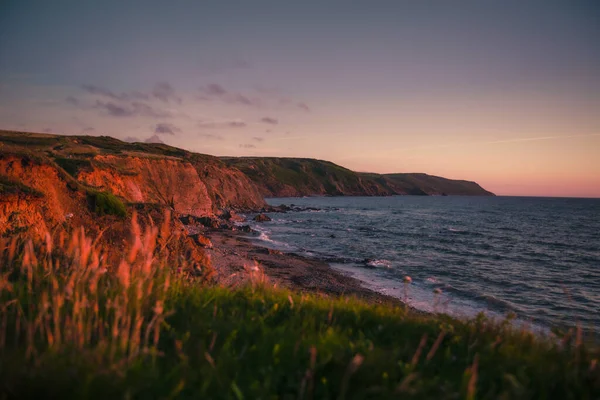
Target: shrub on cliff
pixel 73 165
pixel 106 203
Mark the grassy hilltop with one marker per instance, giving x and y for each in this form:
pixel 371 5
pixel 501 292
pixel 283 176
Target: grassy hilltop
pixel 291 177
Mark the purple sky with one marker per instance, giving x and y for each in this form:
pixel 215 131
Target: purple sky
pixel 503 92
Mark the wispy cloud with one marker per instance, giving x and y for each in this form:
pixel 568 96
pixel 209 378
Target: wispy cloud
pixel 165 92
pixel 269 120
pixel 135 108
pixel 216 92
pixel 511 140
pixel 100 91
pixel 475 143
pixel 209 124
pixel 165 128
pixel 303 106
pixel 114 110
pixel 214 89
pixel 247 146
pixel 210 136
pixel 72 100
pixel 154 139
pixel 258 139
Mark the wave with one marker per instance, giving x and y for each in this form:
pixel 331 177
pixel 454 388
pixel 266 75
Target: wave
pixel 378 263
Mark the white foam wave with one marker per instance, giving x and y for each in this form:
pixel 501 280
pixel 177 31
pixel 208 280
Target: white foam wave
pixel 379 263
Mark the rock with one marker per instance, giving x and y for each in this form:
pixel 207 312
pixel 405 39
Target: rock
pixel 274 252
pixel 262 218
pixel 209 222
pixel 245 228
pixel 202 241
pixel 230 215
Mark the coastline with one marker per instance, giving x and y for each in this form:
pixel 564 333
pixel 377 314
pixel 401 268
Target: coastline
pixel 233 250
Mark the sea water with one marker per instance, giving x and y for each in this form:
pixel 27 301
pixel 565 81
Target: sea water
pixel 537 258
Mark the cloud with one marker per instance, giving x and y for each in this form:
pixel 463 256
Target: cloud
pixel 114 110
pixel 154 139
pixel 303 106
pixel 47 130
pixel 88 129
pixel 247 146
pixel 132 139
pixel 134 109
pixel 278 98
pixel 210 136
pixel 215 89
pixel 145 110
pixel 244 100
pixel 72 100
pixel 100 91
pixel 165 92
pixel 166 129
pixel 269 120
pixel 222 124
pixel 258 139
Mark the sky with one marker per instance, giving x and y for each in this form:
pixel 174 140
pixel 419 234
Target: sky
pixel 504 93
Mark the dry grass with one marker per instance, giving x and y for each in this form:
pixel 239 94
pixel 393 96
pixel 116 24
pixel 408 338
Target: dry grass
pixel 62 293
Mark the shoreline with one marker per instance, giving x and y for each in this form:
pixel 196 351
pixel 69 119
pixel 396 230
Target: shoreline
pixel 233 250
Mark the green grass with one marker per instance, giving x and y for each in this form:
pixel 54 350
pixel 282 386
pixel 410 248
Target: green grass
pixel 73 165
pixel 10 186
pixel 103 203
pixel 271 343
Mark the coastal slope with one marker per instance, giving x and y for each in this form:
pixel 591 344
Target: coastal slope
pixel 51 180
pixel 293 177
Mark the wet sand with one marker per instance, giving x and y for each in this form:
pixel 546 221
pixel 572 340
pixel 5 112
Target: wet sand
pixel 232 251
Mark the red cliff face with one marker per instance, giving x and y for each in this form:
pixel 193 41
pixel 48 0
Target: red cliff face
pixel 150 180
pixel 229 187
pixel 37 195
pixel 49 203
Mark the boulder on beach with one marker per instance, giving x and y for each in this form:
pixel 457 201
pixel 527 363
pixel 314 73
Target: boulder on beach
pixel 230 215
pixel 245 228
pixel 262 218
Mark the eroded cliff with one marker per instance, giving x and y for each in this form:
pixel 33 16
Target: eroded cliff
pixel 47 180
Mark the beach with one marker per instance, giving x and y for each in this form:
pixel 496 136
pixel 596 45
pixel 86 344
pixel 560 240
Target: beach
pixel 233 253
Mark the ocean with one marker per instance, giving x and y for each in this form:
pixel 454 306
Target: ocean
pixel 535 258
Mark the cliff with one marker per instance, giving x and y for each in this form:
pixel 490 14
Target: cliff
pixel 49 180
pixel 292 177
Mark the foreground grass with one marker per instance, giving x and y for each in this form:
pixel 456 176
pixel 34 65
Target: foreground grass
pixel 265 343
pixel 72 326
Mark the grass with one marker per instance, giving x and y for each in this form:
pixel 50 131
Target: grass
pixel 73 326
pixel 73 165
pixel 103 203
pixel 10 186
